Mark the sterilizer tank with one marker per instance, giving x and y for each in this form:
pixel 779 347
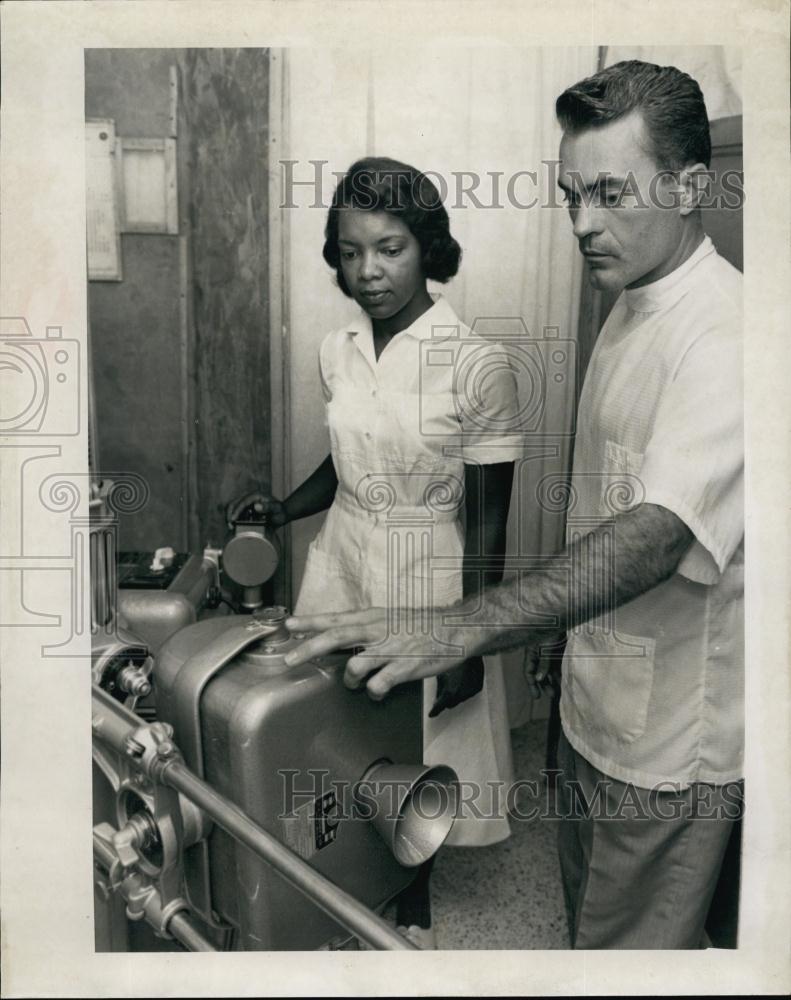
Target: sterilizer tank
pixel 288 746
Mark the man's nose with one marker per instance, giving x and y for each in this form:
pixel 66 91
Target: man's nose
pixel 369 266
pixel 587 220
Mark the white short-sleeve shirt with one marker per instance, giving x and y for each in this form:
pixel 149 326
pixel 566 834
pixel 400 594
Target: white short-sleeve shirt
pixel 402 427
pixel 654 691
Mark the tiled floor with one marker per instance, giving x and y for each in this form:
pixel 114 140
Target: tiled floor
pixel 508 895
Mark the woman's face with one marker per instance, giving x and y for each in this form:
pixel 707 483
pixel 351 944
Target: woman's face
pixel 381 262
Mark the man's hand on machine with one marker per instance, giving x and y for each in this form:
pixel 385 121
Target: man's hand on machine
pixel 256 505
pixel 385 660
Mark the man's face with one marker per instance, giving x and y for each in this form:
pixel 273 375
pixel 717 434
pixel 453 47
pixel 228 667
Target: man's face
pixel 616 192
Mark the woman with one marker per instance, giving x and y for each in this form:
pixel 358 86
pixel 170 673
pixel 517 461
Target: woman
pixel 421 417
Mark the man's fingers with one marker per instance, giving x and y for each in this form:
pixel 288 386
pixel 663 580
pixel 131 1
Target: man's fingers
pixel 320 623
pixel 387 673
pixel 324 643
pixel 389 670
pixel 338 630
pixel 360 666
pixel 400 671
pixel 386 679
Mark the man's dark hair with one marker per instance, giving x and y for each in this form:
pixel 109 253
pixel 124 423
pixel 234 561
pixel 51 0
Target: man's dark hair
pixel 379 184
pixel 670 101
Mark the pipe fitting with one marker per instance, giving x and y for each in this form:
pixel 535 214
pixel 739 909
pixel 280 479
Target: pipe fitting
pixel 133 680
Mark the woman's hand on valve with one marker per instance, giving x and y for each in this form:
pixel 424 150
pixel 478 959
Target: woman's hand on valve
pixel 425 649
pixel 256 506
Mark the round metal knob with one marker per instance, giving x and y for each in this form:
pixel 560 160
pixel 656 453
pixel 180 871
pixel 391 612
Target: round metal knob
pixel 250 558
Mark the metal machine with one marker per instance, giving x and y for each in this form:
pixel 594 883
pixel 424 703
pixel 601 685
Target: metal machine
pixel 243 805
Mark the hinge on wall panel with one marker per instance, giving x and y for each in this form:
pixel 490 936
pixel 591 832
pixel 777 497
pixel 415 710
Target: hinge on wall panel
pixel 174 103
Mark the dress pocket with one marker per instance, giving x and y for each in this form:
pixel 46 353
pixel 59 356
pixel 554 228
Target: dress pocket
pixel 610 677
pixel 327 584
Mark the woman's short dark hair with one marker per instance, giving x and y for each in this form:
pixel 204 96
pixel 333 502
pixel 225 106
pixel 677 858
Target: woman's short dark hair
pixel 379 184
pixel 670 101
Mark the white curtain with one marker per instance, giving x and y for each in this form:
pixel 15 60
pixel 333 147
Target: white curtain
pixel 454 111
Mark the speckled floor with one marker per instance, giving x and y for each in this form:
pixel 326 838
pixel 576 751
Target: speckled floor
pixel 508 895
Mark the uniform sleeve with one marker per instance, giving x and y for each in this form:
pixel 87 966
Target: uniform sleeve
pixel 694 462
pixel 487 404
pixel 323 371
pixel 325 389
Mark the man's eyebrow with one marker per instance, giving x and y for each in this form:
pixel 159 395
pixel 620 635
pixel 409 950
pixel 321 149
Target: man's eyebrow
pixel 605 180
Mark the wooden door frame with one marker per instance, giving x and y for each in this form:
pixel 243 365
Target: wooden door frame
pixel 279 313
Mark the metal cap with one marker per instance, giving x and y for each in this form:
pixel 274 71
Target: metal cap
pixel 249 558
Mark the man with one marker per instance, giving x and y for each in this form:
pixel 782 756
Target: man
pixel 652 697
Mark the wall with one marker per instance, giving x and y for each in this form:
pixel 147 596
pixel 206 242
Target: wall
pixel 135 322
pixel 181 345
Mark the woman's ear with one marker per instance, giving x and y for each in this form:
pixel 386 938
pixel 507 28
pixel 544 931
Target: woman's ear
pixel 695 183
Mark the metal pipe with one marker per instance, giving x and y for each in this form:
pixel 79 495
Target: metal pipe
pixel 320 890
pixel 180 925
pixel 103 853
pixel 111 727
pixel 183 930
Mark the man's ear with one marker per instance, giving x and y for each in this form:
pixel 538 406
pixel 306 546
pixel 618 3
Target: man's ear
pixel 694 181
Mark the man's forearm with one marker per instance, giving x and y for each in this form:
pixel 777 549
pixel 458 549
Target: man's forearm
pixel 610 566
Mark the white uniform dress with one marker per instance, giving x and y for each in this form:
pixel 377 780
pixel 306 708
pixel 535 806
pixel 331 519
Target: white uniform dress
pixel 401 430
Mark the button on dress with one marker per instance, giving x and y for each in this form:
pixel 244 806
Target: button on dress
pixel 402 428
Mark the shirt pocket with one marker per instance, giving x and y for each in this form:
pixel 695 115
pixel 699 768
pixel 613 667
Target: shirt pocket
pixel 352 416
pixel 426 420
pixel 622 488
pixel 610 677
